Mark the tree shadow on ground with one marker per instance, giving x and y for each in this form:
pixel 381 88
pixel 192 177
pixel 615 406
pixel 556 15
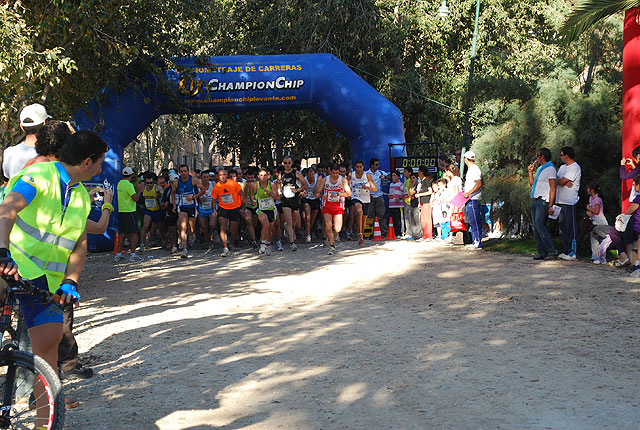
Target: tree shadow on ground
pixel 496 341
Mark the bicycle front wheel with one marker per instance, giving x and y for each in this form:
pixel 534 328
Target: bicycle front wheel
pixel 35 402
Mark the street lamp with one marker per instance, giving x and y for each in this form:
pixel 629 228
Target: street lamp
pixel 467 136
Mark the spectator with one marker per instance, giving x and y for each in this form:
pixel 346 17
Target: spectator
pixel 406 188
pixel 595 212
pixel 619 239
pixel 568 182
pixel 473 191
pixel 396 202
pixel 32 118
pixel 424 200
pixel 543 193
pixel 412 211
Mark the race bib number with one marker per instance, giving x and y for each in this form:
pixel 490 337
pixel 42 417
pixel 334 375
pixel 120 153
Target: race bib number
pixel 266 204
pixel 184 198
pixel 226 198
pixel 334 196
pixel 206 205
pixel 151 204
pixel 360 193
pixel 288 191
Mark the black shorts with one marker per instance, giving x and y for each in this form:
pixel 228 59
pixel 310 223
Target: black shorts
pixel 128 222
pixel 172 220
pixel 230 214
pixel 348 202
pixel 314 204
pixel 365 206
pixel 252 210
pixel 271 214
pixel 279 207
pixel 292 203
pixel 190 211
pixel 156 216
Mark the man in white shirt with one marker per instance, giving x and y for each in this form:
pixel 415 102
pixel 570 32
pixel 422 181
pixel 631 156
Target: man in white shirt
pixel 569 175
pixel 473 192
pixel 543 194
pixel 31 119
pixel 377 207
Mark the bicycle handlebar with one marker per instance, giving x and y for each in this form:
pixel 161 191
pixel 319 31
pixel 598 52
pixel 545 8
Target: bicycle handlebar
pixel 26 287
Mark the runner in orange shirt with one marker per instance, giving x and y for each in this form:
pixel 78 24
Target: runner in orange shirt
pixel 229 196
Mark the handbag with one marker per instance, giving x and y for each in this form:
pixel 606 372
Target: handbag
pixel 621 222
pixel 457 222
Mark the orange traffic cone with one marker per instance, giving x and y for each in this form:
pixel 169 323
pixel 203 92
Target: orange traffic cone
pixel 115 243
pixel 391 232
pixel 377 234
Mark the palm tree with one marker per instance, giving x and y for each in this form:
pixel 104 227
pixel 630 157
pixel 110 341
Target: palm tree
pixel 589 12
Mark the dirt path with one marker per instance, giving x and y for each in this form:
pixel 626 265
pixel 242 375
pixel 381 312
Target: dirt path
pixel 395 336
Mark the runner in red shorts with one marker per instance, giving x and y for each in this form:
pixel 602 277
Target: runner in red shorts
pixel 332 189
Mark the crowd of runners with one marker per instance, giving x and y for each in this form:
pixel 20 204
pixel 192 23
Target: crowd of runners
pixel 287 205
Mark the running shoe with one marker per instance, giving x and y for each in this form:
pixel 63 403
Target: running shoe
pixel 294 247
pixel 225 252
pixel 263 248
pixel 184 254
pixel 360 239
pixel 135 258
pixel 118 258
pixel 332 250
pixel 210 250
pixel 307 239
pixel 174 250
pixel 268 250
pixel 254 244
pixel 280 247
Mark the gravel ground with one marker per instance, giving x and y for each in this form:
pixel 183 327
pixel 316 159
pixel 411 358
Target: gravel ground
pixel 400 335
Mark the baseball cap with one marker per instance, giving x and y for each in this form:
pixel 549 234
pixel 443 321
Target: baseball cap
pixel 127 171
pixel 34 114
pixel 470 155
pixel 173 176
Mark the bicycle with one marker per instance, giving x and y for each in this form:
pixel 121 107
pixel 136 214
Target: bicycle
pixel 19 408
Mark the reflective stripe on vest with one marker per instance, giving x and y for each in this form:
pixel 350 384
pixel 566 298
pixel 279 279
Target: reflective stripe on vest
pixel 42 238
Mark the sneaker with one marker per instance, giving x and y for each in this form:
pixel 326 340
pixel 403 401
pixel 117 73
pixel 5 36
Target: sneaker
pixel 360 239
pixel 332 250
pixel 566 257
pixel 174 250
pixel 134 258
pixel 622 263
pixel 184 254
pixel 280 247
pixel 539 257
pixel 225 252
pixel 210 250
pixel 118 258
pixel 79 372
pixel 307 239
pixel 142 248
pixel 472 247
pixel 268 250
pixel 254 244
pixel 263 248
pixel 294 247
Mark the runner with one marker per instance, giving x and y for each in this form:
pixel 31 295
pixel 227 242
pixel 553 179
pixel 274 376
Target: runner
pixel 266 193
pixel 333 189
pixel 292 184
pixel 186 190
pixel 311 203
pixel 153 215
pixel 208 222
pixel 171 214
pixel 230 196
pixel 361 186
pixel 249 212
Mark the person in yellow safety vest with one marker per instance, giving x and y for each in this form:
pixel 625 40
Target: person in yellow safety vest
pixel 43 236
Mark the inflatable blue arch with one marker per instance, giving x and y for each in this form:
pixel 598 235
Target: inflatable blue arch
pixel 317 82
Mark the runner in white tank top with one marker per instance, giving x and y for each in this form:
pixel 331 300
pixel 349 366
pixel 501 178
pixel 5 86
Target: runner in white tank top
pixel 311 203
pixel 361 185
